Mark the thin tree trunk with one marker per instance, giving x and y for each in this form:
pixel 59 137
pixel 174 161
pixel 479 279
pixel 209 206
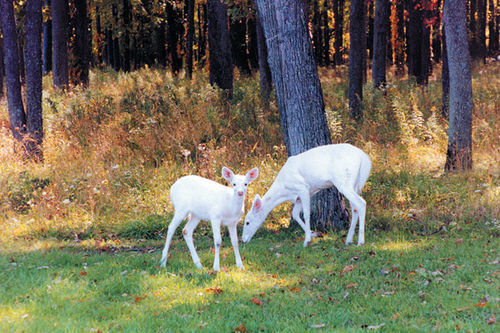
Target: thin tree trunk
pixel 380 42
pixel 60 43
pixel 47 41
pixel 445 80
pixel 303 119
pixel 253 52
pixel 436 33
pixel 357 35
pixel 493 28
pixel 219 46
pixel 126 35
pixel 2 67
pixel 33 58
pixel 481 12
pixel 189 38
pixel 338 10
pixel 399 39
pixel 239 53
pixel 459 153
pixel 17 116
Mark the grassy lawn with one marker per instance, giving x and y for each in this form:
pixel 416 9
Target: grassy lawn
pixel 448 281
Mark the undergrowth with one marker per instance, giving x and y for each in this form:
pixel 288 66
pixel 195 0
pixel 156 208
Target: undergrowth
pixel 113 150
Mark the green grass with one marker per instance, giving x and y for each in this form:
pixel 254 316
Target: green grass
pixel 448 281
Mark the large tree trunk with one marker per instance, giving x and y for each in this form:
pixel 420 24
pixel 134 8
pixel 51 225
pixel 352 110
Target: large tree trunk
pixel 17 115
pixel 357 49
pixel 219 47
pixel 459 153
pixel 264 70
pixel 380 42
pixel 299 95
pixel 81 47
pixel 47 41
pixel 189 38
pixel 60 43
pixel 338 12
pixel 33 59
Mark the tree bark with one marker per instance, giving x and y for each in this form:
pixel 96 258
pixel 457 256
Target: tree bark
pixel 357 49
pixel 253 49
pixel 126 35
pixel 299 95
pixel 219 47
pixel 399 39
pixel 492 28
pixel 17 116
pixel 2 68
pixel 189 38
pixel 47 40
pixel 380 42
pixel 459 153
pixel 481 12
pixel 60 43
pixel 33 59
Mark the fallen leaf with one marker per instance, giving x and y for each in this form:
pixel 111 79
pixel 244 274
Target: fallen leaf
pixel 295 289
pixel 240 328
pixel 256 301
pixel 459 241
pixel 348 268
pixel 216 290
pixel 83 273
pixel 480 304
pixel 492 319
pixel 352 285
pixel 317 326
pixel 465 288
pixel 138 299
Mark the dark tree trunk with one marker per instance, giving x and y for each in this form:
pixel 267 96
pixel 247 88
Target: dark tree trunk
pixel 473 25
pixel 17 115
pixel 303 120
pixel 481 12
pixel 253 52
pixel 357 36
pixel 126 35
pixel 237 32
pixel 60 43
pixel 418 42
pixel 493 28
pixel 326 36
pixel 160 41
pixel 380 34
pixel 219 47
pixel 174 31
pixel 116 42
pixel 316 32
pixel 425 53
pixel 99 37
pixel 445 80
pixel 264 70
pixel 33 58
pixel 81 46
pixel 369 28
pixel 399 40
pixel 189 38
pixel 47 41
pixel 459 153
pixel 2 68
pixel 202 35
pixel 109 49
pixel 436 33
pixel 338 12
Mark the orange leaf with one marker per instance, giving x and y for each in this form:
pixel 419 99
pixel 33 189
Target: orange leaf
pixel 241 328
pixel 348 268
pixel 216 290
pixel 83 273
pixel 138 299
pixel 295 289
pixel 492 319
pixel 256 301
pixel 352 285
pixel 480 304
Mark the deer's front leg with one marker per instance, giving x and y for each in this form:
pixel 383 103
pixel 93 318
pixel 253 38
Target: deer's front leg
pixel 234 241
pixel 217 242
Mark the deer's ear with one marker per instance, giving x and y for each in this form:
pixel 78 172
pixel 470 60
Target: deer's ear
pixel 227 174
pixel 257 203
pixel 252 174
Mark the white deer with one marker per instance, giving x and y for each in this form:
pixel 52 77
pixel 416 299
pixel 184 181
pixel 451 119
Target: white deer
pixel 341 165
pixel 204 199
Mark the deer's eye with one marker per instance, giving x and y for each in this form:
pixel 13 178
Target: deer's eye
pixel 234 184
pixel 246 184
pixel 248 223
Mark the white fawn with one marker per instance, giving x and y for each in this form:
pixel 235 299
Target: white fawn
pixel 341 165
pixel 203 199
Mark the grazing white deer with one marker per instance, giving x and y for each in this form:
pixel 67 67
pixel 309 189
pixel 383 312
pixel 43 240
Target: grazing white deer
pixel 341 165
pixel 203 199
